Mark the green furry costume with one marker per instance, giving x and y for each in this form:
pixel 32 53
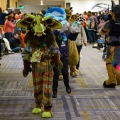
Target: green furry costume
pixel 42 53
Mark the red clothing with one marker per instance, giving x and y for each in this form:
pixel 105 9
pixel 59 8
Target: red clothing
pixel 84 24
pixel 9 26
pixel 86 17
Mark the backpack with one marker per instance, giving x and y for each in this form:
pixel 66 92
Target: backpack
pixel 92 24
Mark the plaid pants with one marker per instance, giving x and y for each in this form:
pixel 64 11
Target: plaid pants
pixel 42 81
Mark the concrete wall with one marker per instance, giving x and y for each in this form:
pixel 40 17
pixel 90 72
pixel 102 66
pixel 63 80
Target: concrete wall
pixel 79 6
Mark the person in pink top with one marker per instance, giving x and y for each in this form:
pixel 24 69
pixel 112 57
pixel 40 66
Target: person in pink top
pixel 9 27
pixel 101 24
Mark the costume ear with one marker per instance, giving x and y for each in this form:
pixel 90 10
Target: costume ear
pixel 47 17
pixel 24 23
pixel 68 13
pixel 53 24
pixel 31 16
pixel 28 19
pixel 112 4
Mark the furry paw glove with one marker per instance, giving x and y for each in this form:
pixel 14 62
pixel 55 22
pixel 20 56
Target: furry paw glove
pixel 56 61
pixel 27 68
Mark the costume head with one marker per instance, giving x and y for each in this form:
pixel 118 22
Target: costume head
pixel 39 29
pixel 59 14
pixel 80 18
pixel 56 13
pixel 68 13
pixel 115 10
pixel 38 24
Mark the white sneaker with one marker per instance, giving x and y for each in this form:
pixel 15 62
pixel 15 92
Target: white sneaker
pixel 10 52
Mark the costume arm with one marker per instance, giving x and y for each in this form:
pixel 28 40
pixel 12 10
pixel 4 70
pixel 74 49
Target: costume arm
pixel 106 28
pixel 26 54
pixel 22 41
pixel 56 56
pixel 84 37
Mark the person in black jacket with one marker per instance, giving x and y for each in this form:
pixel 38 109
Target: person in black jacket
pixel 15 43
pixel 62 41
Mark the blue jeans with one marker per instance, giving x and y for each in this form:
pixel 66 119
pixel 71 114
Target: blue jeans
pixel 92 36
pixel 8 35
pixel 17 49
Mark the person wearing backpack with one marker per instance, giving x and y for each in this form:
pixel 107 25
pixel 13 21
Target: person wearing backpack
pixel 91 27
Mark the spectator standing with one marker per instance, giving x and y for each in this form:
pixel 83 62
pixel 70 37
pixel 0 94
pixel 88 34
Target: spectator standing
pixel 91 28
pixel 2 17
pixel 81 39
pixel 9 28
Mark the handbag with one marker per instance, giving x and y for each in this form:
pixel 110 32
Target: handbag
pixel 79 39
pixel 93 24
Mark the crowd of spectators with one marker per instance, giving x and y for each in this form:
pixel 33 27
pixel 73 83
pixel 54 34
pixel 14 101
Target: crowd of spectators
pixel 12 37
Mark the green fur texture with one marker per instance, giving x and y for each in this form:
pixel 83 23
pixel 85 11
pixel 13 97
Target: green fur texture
pixel 47 114
pixel 36 110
